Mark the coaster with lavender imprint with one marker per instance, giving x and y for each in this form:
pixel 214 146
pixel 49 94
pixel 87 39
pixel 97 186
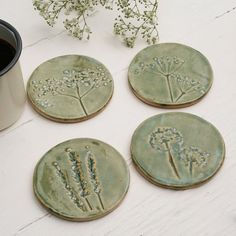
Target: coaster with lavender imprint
pixel 170 75
pixel 81 179
pixel 70 88
pixel 177 150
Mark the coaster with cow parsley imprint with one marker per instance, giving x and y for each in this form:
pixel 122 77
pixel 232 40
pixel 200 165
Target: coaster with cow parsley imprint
pixel 70 88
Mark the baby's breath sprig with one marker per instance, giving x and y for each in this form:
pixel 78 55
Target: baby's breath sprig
pixel 76 12
pixel 137 17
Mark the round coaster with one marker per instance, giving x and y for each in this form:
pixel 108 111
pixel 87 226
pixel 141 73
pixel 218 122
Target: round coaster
pixel 170 75
pixel 81 179
pixel 177 150
pixel 70 88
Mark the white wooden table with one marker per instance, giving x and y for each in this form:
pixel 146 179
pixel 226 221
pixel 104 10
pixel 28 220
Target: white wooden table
pixel 207 25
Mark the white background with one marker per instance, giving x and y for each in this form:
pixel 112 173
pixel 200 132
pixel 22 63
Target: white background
pixel 206 25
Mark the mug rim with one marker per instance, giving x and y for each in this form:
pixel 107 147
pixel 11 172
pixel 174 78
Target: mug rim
pixel 18 47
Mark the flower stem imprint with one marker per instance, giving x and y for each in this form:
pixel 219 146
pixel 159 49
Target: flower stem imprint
pixel 162 139
pixel 167 68
pixel 78 99
pixel 169 87
pixel 93 174
pixel 167 139
pixel 71 192
pixel 180 96
pixel 171 160
pixel 194 158
pixel 78 175
pixel 83 106
pixel 74 84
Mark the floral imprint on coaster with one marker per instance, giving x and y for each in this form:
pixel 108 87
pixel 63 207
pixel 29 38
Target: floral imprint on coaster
pixel 81 179
pixel 70 88
pixel 177 150
pixel 162 140
pixel 170 75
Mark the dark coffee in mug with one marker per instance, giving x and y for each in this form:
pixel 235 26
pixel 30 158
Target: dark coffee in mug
pixel 7 53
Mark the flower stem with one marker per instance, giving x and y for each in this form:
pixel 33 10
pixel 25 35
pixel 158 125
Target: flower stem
pixel 71 192
pixel 87 92
pixel 169 87
pixel 80 100
pixel 87 201
pixel 83 106
pixel 100 200
pixel 180 96
pixel 191 168
pixel 171 160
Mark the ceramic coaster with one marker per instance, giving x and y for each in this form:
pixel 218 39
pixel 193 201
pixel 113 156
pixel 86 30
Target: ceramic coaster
pixel 177 150
pixel 81 179
pixel 70 88
pixel 170 75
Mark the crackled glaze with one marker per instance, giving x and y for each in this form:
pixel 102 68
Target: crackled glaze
pixel 81 179
pixel 70 88
pixel 170 75
pixel 169 155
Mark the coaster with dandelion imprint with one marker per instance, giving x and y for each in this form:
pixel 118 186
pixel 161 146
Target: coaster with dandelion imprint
pixel 177 150
pixel 81 179
pixel 70 88
pixel 170 75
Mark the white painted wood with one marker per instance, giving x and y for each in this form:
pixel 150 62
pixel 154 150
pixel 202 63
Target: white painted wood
pixel 210 210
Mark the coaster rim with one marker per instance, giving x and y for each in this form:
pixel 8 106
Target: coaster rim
pixel 66 217
pixel 152 180
pixel 61 119
pixel 169 105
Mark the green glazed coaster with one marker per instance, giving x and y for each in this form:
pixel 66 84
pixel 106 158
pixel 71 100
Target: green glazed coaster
pixel 177 150
pixel 170 75
pixel 70 88
pixel 81 179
